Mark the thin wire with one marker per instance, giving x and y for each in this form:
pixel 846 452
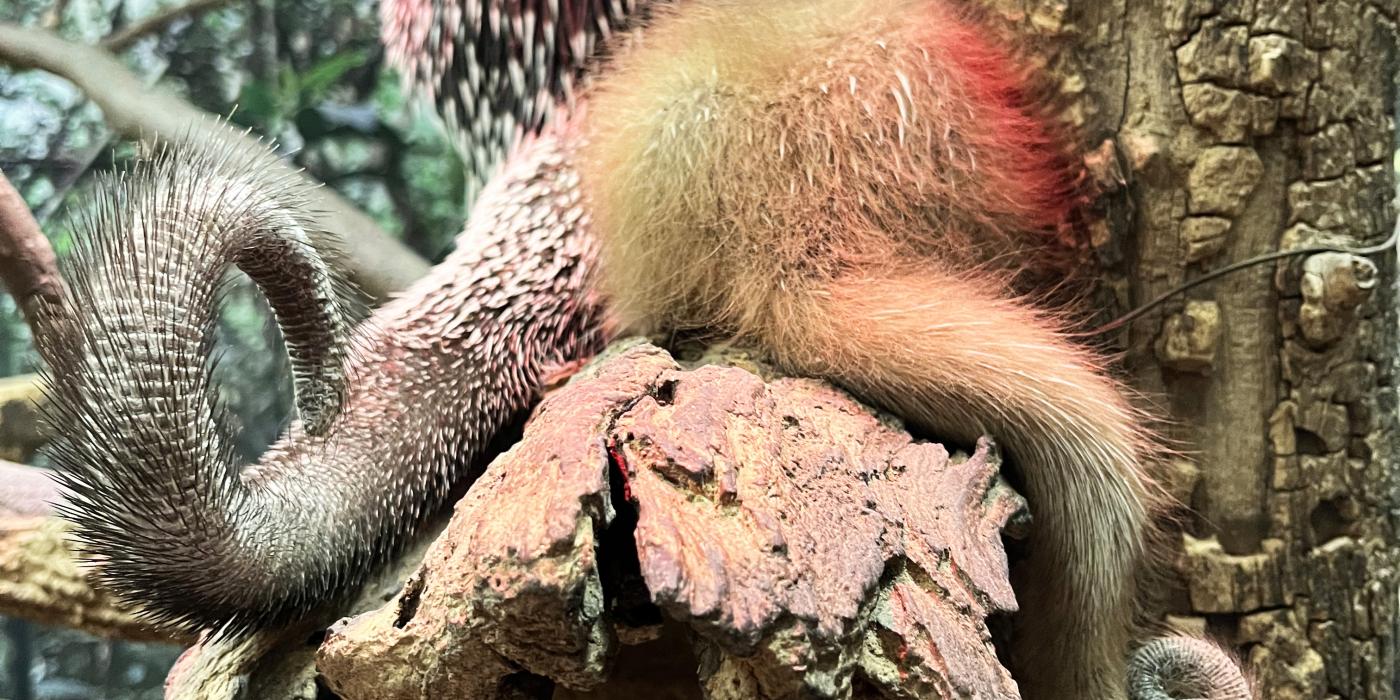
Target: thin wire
pixel 1137 313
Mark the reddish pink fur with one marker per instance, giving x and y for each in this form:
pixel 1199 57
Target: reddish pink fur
pixel 1033 171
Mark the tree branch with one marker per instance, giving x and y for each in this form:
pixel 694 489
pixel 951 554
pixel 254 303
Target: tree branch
pixel 41 581
pixel 159 21
pixel 790 539
pixel 28 267
pixel 29 492
pixel 378 263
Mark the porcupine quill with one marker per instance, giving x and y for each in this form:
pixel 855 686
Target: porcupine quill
pixel 1174 667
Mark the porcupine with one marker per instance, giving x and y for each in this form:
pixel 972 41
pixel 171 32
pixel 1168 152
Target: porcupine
pixel 497 69
pixel 156 493
pixel 202 545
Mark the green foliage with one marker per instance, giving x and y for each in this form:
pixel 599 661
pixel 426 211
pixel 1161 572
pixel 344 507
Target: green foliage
pixel 272 103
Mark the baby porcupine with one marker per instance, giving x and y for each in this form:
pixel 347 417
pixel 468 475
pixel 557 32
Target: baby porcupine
pixel 852 186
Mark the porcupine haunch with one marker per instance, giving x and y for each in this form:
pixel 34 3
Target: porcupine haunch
pixel 873 261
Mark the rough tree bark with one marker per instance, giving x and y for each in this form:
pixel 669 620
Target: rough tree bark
pixel 1247 128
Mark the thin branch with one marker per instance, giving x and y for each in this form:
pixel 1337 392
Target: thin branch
pixel 42 581
pixel 378 263
pixel 40 578
pixel 28 266
pixel 158 22
pixel 78 167
pixel 84 164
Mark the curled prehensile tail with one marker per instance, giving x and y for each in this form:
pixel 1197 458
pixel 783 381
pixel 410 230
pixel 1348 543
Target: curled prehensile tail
pixel 853 187
pixel 156 494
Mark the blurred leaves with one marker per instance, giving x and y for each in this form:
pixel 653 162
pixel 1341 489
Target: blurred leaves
pixel 315 82
pixel 295 95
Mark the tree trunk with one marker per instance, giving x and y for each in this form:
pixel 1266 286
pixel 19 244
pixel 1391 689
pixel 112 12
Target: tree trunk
pixel 1246 128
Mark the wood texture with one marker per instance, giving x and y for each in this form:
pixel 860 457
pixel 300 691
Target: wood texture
pixel 805 543
pixel 1245 128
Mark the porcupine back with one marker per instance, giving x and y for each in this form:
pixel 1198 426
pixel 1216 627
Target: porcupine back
pixel 855 188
